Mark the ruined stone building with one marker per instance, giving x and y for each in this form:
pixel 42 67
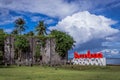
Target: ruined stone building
pixel 49 55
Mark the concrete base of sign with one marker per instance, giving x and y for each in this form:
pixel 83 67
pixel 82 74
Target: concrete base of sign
pixel 90 61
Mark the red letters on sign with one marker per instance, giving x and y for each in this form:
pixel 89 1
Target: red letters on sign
pixel 88 55
pixel 76 55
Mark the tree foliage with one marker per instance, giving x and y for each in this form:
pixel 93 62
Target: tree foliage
pixel 2 37
pixel 31 33
pixel 19 25
pixel 21 44
pixel 37 51
pixel 41 28
pixel 64 42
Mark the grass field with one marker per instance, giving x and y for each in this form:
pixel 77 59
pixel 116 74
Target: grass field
pixel 48 73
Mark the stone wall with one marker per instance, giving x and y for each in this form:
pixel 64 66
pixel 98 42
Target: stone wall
pixel 49 55
pixel 55 58
pixel 46 51
pixel 9 50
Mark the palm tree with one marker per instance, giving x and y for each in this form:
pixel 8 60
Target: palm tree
pixel 41 28
pixel 20 25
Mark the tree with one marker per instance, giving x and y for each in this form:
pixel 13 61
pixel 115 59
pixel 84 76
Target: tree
pixel 2 34
pixel 31 33
pixel 37 52
pixel 2 37
pixel 21 44
pixel 19 25
pixel 64 42
pixel 41 28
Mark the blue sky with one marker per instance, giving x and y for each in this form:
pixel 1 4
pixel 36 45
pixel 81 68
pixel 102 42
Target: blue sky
pixel 95 25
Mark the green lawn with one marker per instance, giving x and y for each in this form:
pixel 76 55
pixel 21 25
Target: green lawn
pixel 48 73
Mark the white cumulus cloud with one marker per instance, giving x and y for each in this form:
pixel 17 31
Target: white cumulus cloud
pixel 84 26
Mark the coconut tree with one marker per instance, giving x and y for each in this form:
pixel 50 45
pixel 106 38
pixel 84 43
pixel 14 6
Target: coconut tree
pixel 19 25
pixel 41 28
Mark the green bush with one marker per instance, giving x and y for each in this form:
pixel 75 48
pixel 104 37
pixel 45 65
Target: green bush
pixel 1 57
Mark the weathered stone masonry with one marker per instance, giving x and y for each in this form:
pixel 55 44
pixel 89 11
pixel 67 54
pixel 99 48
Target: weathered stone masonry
pixel 49 55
